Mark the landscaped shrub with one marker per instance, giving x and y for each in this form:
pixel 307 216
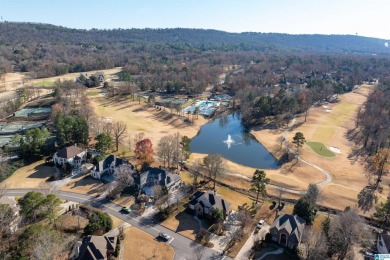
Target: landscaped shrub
pixel 99 223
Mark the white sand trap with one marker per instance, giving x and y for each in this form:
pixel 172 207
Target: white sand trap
pixel 328 110
pixel 325 106
pixel 334 149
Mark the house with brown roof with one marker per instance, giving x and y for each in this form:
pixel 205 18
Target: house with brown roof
pixel 72 154
pixel 96 248
pixel 287 230
pixel 383 243
pixel 203 203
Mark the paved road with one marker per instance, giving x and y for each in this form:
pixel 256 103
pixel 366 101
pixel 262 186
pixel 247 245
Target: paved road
pixel 184 247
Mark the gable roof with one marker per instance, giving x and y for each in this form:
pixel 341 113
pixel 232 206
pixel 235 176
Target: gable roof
pixel 106 162
pixel 96 247
pixel 293 224
pixel 215 200
pixel 69 152
pixel 163 177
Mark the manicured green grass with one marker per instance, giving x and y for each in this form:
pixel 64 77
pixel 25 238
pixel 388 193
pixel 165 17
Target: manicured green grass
pixel 320 149
pixel 44 84
pixel 93 94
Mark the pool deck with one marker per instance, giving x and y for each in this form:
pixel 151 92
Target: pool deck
pixel 206 107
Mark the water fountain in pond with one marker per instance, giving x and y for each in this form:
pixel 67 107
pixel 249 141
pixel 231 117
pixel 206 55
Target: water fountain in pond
pixel 229 141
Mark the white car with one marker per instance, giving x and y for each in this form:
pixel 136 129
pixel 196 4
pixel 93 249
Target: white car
pixel 165 236
pixel 260 224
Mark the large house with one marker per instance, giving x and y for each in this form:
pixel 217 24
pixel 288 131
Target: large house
pixel 156 176
pixel 203 203
pixel 72 154
pixel 107 166
pixel 96 248
pixel 383 244
pixel 287 230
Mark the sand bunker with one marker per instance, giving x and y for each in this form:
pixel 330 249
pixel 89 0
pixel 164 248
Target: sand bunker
pixel 325 106
pixel 334 149
pixel 328 110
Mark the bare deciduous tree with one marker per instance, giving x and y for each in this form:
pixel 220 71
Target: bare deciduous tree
pixel 157 191
pixel 119 130
pixel 314 244
pixel 138 137
pixel 46 246
pixel 214 164
pixel 347 229
pixel 123 177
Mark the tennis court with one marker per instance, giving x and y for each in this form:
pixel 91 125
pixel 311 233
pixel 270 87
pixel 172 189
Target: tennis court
pixel 33 111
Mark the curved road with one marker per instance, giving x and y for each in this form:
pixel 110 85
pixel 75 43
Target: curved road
pixel 184 247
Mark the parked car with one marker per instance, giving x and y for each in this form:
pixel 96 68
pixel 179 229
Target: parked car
pixel 164 236
pixel 260 224
pixel 127 210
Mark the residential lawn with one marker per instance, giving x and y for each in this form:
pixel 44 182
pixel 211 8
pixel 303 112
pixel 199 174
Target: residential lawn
pixel 320 149
pixel 140 245
pixel 182 223
pixel 31 176
pixel 235 198
pixel 125 200
pixel 85 185
pixel 116 222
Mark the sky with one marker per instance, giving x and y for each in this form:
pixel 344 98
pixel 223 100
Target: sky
pixel 361 17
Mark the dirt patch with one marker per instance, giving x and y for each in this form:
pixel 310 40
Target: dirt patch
pixel 71 222
pixel 140 245
pixel 34 175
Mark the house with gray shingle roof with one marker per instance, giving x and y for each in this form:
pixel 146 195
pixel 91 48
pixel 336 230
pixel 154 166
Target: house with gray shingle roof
pixel 203 203
pixel 156 176
pixel 107 166
pixel 287 230
pixel 96 248
pixel 383 243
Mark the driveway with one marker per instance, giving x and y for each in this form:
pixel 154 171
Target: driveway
pixel 184 247
pixel 246 249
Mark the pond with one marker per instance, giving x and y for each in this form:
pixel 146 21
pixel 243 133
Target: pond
pixel 228 137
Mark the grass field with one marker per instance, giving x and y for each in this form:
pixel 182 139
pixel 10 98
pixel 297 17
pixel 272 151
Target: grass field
pixel 93 94
pixel 340 114
pixel 327 126
pixel 32 176
pixel 144 118
pixel 182 223
pixel 140 245
pixel 320 149
pixel 85 185
pixel 44 84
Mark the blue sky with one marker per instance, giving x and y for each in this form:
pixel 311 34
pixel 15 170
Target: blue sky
pixel 364 17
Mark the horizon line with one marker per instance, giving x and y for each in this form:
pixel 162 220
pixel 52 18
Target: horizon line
pixel 188 28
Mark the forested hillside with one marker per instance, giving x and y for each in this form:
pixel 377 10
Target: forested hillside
pixel 48 50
